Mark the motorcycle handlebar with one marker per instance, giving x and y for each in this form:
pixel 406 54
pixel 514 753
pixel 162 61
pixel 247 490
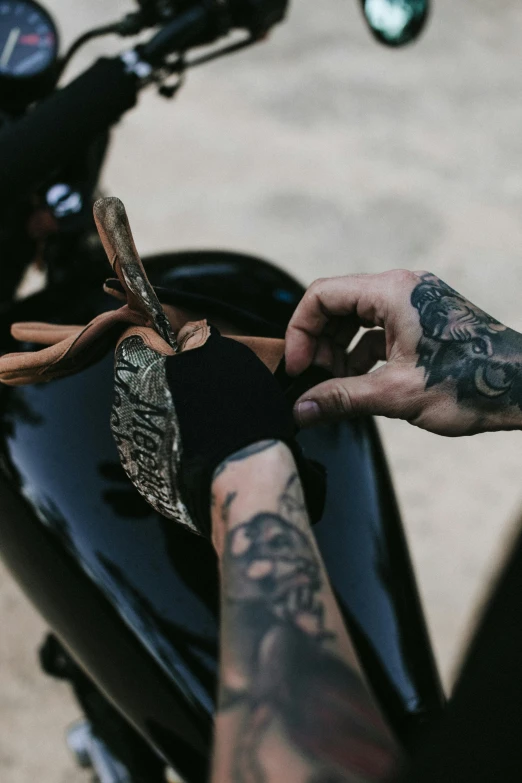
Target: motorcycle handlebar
pixel 50 135
pixel 47 137
pixel 196 24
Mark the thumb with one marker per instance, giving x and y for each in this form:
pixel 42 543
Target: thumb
pixel 381 392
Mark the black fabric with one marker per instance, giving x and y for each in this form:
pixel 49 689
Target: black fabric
pixel 479 738
pixel 226 399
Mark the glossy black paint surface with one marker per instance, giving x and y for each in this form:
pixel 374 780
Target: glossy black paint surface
pixel 133 597
pixel 362 542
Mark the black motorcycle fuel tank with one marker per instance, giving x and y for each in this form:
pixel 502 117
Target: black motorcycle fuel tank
pixel 135 598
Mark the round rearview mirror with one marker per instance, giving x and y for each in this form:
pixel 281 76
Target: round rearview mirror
pixel 395 22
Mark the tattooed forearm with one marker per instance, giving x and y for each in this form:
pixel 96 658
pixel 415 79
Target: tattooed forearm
pixel 225 508
pixel 461 342
pixel 292 503
pixel 248 451
pixel 289 686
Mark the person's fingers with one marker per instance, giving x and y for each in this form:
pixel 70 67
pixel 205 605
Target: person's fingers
pixel 324 354
pixel 362 298
pixel 370 349
pixel 385 392
pixel 331 355
pixel 321 303
pixel 341 331
pixel 330 347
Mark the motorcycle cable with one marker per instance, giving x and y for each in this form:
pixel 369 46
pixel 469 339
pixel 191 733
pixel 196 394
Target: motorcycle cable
pixel 131 24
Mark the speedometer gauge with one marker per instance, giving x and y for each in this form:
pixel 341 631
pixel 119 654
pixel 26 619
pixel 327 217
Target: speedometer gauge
pixel 28 52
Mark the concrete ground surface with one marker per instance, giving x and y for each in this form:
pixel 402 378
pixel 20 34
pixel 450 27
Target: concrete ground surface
pixel 329 154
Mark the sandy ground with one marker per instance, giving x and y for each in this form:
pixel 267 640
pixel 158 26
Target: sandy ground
pixel 330 155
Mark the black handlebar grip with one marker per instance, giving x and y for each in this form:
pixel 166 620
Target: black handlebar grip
pixel 32 148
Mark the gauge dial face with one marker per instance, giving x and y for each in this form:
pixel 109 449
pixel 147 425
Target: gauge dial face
pixel 28 41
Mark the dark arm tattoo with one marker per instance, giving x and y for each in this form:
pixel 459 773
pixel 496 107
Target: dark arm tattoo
pixel 461 342
pixel 289 678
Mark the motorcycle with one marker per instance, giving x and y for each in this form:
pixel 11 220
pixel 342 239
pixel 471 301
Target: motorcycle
pixel 129 598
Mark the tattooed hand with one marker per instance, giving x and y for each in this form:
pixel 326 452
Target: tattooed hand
pixel 451 368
